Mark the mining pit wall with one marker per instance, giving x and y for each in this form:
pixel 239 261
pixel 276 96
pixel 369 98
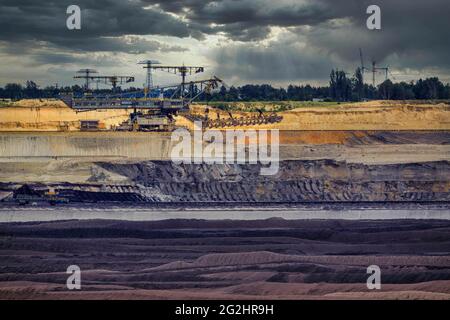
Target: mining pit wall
pixel 152 146
pixel 296 181
pixel 369 147
pixel 365 167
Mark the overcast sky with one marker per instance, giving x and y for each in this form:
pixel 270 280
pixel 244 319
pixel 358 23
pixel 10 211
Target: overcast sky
pixel 242 41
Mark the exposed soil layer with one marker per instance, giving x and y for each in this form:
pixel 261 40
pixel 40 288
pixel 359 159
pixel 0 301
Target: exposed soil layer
pixel 311 181
pixel 357 138
pixel 54 115
pixel 373 115
pixel 258 259
pixel 296 181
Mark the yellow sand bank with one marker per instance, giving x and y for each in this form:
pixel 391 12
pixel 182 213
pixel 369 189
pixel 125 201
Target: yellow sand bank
pixel 54 115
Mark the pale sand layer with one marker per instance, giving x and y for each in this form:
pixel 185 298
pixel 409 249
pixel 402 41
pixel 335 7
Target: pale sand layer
pixel 54 115
pixel 374 115
pixel 40 214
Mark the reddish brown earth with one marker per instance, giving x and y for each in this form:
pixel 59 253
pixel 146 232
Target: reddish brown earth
pixel 198 259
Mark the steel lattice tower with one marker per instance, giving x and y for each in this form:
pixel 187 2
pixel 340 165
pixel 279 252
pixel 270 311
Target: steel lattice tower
pixel 149 79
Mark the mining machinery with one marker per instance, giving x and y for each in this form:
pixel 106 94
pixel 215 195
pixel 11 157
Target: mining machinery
pixel 151 109
pixel 233 121
pixel 87 75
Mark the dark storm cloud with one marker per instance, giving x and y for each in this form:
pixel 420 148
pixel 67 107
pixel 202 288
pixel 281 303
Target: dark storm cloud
pixel 414 33
pixel 406 24
pixel 46 21
pixel 128 44
pixel 315 34
pixel 239 20
pixel 56 58
pixel 60 58
pixel 278 62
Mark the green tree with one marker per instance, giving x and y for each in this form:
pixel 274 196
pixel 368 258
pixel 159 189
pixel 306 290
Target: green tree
pixel 14 91
pixel 386 90
pixel 358 84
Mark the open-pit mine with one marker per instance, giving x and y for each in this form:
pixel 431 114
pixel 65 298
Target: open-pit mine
pixel 383 152
pixel 357 184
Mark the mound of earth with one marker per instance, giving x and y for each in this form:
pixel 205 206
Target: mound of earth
pixel 225 259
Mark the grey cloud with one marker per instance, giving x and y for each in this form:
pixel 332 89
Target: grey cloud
pixel 42 58
pixel 279 61
pixel 239 19
pixel 46 21
pixel 127 44
pixel 327 33
pixel 414 31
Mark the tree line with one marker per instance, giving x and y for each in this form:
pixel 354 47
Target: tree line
pixel 341 88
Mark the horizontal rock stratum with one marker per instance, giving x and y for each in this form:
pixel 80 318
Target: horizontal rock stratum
pixel 54 115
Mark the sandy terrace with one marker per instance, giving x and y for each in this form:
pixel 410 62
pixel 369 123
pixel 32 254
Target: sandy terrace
pixel 54 115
